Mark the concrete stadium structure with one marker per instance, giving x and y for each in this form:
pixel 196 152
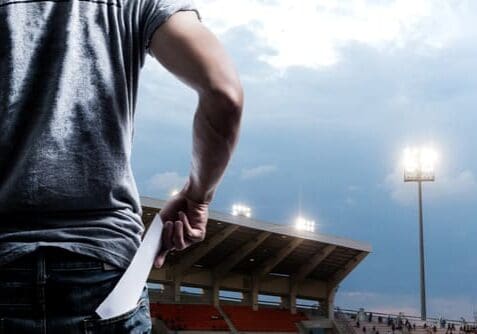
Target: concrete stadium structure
pixel 255 257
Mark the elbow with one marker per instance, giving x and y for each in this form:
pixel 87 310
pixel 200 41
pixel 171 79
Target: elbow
pixel 222 102
pixel 232 96
pixel 227 98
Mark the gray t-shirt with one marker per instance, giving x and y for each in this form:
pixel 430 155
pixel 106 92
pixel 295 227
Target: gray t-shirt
pixel 69 72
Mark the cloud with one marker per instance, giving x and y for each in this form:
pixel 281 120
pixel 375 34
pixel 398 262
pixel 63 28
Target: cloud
pixel 462 185
pixel 309 32
pixel 369 90
pixel 254 172
pixel 165 182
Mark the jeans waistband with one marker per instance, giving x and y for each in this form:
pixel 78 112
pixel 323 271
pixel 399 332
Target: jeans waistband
pixel 58 258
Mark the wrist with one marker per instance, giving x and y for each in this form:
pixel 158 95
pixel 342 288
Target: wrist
pixel 195 195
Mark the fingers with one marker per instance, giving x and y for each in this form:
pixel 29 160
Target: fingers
pixel 161 258
pixel 194 234
pixel 178 237
pixel 185 234
pixel 167 232
pixel 167 244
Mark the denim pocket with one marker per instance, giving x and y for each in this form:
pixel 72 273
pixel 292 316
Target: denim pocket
pixel 134 321
pixel 17 325
pixel 16 296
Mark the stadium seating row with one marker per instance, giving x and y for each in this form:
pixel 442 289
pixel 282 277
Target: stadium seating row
pixel 264 319
pixel 204 317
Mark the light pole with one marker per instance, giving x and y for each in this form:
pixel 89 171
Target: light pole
pixel 419 166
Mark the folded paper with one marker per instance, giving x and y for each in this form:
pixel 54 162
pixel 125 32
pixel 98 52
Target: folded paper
pixel 125 295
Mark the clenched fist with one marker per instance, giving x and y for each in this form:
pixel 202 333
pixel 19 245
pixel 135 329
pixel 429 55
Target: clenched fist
pixel 185 224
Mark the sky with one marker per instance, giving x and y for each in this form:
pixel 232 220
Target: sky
pixel 334 92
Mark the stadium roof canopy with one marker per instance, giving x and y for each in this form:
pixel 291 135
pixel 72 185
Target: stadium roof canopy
pixel 237 245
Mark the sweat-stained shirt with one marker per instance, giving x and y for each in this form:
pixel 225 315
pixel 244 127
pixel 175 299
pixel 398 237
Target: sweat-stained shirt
pixel 69 72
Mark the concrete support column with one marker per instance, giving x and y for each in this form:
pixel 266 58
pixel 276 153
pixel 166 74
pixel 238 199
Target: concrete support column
pixel 169 291
pixel 292 297
pixel 215 293
pixel 177 289
pixel 324 307
pixel 289 303
pixel 331 303
pixel 254 291
pixel 285 302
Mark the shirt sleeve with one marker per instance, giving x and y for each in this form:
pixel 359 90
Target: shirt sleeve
pixel 158 11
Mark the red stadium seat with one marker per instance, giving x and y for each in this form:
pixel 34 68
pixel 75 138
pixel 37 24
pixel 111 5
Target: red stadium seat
pixel 200 317
pixel 245 318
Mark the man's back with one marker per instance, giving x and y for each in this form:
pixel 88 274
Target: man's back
pixel 69 72
pixel 69 75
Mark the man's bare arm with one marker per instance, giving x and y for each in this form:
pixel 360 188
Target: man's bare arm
pixel 186 48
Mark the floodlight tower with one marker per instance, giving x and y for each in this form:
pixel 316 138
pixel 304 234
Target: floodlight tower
pixel 419 164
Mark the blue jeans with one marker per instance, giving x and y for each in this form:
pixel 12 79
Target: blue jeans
pixel 54 291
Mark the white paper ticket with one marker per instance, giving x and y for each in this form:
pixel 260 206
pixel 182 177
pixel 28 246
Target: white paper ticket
pixel 126 293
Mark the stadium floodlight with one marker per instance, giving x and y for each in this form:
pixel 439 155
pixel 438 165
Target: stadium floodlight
pixel 241 210
pixel 304 224
pixel 174 192
pixel 419 166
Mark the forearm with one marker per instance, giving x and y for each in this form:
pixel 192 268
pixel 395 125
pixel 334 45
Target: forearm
pixel 215 135
pixel 196 57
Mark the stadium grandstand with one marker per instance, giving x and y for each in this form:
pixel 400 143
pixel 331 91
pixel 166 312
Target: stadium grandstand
pixel 250 276
pixel 360 322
